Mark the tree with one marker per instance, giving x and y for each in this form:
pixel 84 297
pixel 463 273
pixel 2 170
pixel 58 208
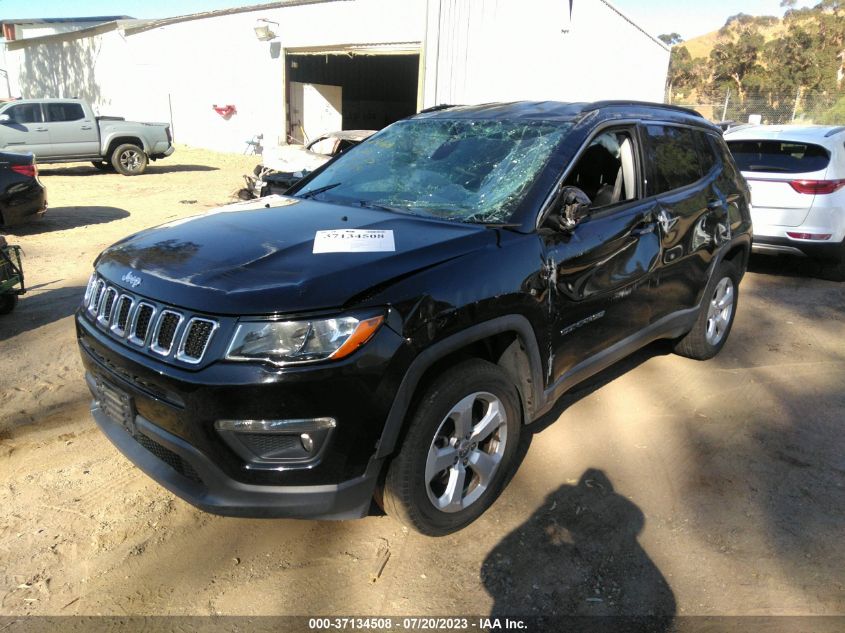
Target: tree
pixel 738 61
pixel 670 39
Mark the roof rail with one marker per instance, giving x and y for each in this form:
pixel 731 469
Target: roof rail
pixel 437 108
pixel 664 106
pixel 835 130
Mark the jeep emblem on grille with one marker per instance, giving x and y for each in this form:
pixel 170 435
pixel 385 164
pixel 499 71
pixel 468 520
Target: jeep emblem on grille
pixel 132 280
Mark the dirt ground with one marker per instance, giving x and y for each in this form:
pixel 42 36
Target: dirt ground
pixel 664 486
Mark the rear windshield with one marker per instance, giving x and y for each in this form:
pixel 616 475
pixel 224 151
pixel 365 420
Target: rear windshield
pixel 782 157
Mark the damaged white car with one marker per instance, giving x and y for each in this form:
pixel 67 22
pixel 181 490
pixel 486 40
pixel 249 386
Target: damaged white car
pixel 287 164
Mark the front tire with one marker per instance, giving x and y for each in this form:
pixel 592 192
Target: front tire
pixel 458 451
pixel 129 160
pixel 715 319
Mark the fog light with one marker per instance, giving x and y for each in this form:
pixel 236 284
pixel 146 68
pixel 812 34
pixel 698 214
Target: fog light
pixel 269 444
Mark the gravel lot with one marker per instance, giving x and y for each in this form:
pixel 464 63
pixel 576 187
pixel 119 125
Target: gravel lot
pixel 666 485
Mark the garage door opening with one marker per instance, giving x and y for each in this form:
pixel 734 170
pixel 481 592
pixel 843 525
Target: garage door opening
pixel 344 91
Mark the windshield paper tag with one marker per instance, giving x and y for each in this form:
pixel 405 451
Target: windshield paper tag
pixel 353 241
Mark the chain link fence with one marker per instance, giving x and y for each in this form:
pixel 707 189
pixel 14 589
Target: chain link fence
pixel 799 107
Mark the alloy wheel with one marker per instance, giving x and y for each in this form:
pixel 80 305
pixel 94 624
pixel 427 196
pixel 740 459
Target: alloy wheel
pixel 466 452
pixel 720 311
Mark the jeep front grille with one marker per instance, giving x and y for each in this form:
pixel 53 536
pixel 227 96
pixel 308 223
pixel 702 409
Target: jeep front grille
pixel 164 331
pixel 96 295
pixel 105 312
pixel 197 336
pixel 141 326
pixel 121 319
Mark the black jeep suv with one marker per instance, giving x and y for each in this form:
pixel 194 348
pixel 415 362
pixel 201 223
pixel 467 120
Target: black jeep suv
pixel 387 328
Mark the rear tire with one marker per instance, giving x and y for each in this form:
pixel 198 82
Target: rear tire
pixel 716 316
pixel 458 452
pixel 8 303
pixel 129 160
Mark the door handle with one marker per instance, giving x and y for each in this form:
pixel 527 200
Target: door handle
pixel 643 230
pixel 86 127
pixel 41 129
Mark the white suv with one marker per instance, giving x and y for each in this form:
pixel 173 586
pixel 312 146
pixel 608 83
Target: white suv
pixel 797 180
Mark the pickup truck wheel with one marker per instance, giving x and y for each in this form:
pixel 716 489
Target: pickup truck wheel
pixel 458 450
pixel 129 160
pixel 102 165
pixel 716 317
pixel 8 303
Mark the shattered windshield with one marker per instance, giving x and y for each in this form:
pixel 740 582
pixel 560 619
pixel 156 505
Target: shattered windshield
pixel 463 170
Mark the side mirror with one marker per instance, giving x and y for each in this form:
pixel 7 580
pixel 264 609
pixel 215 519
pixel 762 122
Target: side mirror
pixel 5 118
pixel 570 207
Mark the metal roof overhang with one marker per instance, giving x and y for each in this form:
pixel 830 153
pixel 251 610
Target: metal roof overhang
pixel 386 48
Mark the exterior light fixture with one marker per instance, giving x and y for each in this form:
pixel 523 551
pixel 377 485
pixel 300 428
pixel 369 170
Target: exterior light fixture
pixel 263 31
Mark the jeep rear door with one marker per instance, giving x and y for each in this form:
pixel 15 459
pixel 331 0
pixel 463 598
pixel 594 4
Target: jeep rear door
pixel 25 130
pixel 692 199
pixel 72 131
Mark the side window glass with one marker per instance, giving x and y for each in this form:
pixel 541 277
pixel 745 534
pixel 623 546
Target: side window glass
pixel 59 112
pixel 706 151
pixel 728 163
pixel 606 171
pixel 671 152
pixel 25 113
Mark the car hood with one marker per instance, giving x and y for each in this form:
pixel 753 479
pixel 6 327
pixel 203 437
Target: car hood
pixel 258 257
pixel 292 158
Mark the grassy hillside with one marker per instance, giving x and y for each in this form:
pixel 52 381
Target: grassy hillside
pixel 702 45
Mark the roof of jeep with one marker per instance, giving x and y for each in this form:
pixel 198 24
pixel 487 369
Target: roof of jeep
pixel 562 111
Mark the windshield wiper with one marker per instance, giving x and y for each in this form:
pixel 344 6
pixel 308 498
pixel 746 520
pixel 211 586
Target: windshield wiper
pixel 498 225
pixel 319 190
pixel 382 207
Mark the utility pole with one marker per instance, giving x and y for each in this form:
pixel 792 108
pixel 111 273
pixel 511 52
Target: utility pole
pixel 797 101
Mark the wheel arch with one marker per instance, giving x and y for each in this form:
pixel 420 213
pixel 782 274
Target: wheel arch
pixel 115 141
pixel 507 341
pixel 738 255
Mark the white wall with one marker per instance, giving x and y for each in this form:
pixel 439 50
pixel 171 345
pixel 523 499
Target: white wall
pixel 196 64
pixel 89 68
pixel 219 61
pixel 484 50
pixel 506 50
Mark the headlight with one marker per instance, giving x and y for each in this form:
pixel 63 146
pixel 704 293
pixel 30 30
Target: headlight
pixel 284 342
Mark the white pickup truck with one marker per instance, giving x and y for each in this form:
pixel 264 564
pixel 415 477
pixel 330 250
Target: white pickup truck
pixel 67 130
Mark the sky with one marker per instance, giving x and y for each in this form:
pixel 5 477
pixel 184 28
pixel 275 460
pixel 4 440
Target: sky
pixel 686 17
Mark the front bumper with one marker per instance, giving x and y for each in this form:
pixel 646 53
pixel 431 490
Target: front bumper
pixel 189 474
pixel 177 409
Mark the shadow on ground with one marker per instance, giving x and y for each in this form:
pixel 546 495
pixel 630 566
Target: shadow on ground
pixel 64 218
pixel 38 309
pixel 90 170
pixel 578 555
pixel 791 266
